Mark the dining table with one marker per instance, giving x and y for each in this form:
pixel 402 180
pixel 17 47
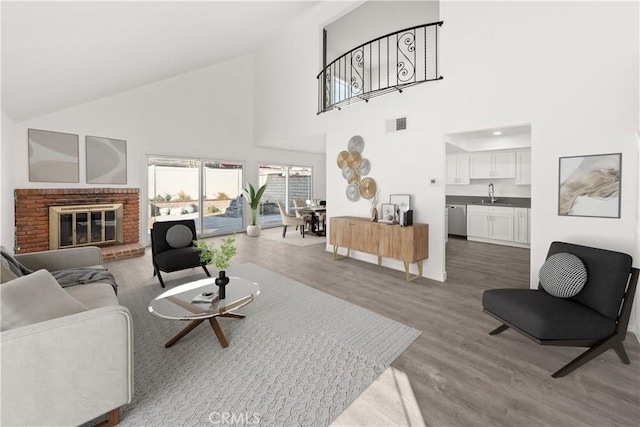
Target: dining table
pixel 314 210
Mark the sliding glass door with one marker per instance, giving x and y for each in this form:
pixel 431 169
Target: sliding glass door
pixel 206 191
pixel 284 184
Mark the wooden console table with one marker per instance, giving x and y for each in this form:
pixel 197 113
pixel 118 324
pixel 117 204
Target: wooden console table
pixel 407 244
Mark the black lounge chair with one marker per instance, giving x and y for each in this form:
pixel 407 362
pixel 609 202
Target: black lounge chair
pixel 167 258
pixel 597 317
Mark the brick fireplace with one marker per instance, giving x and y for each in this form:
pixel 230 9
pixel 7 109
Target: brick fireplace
pixel 32 217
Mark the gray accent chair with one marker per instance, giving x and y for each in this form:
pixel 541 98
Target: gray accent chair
pixel 597 317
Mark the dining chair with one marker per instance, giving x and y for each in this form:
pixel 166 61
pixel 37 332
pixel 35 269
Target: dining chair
pixel 288 220
pixel 299 203
pixel 322 216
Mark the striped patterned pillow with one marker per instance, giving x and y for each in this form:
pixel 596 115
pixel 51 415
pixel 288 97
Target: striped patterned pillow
pixel 563 275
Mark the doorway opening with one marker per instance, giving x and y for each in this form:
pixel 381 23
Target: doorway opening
pixel 488 198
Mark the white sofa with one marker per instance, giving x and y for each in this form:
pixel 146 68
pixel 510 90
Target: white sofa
pixel 67 353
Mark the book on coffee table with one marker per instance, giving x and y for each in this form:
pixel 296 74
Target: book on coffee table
pixel 205 298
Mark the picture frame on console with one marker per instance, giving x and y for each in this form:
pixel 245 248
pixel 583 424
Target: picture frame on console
pixel 387 213
pixel 402 202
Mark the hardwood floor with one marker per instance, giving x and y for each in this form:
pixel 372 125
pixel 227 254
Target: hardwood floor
pixel 460 375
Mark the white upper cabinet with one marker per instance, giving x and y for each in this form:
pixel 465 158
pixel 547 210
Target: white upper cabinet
pixel 492 165
pixel 458 169
pixel 523 167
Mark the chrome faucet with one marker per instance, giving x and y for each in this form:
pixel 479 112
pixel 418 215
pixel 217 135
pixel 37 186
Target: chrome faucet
pixel 492 194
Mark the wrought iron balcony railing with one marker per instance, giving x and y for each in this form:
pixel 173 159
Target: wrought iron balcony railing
pixel 389 63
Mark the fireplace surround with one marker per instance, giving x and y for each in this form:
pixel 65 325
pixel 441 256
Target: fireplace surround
pixel 32 217
pixel 83 225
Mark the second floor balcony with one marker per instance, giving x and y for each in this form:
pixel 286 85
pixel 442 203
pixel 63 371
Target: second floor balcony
pixel 386 64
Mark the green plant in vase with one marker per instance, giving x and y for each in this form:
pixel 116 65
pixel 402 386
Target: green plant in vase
pixel 219 257
pixel 253 198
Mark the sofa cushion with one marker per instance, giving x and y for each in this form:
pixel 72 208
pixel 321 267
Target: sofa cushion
pixel 563 275
pixel 6 273
pixel 94 295
pixel 34 298
pixel 10 267
pixel 179 236
pixel 546 317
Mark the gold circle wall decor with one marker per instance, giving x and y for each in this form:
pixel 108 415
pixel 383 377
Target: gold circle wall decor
pixel 367 188
pixel 354 159
pixel 342 159
pixel 355 179
pixel 354 168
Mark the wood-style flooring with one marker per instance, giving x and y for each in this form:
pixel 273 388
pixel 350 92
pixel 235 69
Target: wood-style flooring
pixel 460 375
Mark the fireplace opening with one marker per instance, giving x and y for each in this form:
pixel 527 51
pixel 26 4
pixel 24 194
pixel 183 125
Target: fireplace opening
pixel 82 225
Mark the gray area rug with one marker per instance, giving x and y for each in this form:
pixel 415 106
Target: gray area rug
pixel 300 357
pixel 293 237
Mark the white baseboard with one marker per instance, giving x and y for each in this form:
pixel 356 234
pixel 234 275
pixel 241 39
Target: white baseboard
pixel 499 242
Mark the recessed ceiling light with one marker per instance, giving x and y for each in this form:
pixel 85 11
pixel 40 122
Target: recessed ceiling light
pixel 496 133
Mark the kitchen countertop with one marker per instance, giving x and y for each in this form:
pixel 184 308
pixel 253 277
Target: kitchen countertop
pixel 510 202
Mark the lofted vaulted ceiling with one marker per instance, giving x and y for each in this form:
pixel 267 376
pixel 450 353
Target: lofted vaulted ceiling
pixel 56 55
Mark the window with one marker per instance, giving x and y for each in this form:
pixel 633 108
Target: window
pixel 284 184
pixel 207 191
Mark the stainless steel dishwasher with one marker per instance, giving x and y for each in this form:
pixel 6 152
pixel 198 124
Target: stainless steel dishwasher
pixel 457 219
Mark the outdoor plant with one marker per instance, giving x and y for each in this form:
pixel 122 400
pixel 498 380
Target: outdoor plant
pixel 183 197
pixel 219 256
pixel 212 209
pixel 222 196
pixel 253 198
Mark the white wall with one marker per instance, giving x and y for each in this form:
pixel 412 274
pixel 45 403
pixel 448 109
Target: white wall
pixel 206 113
pixel 502 62
pixel 373 19
pixel 7 173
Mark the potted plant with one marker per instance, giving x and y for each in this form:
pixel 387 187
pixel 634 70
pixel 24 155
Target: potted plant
pixel 219 257
pixel 253 198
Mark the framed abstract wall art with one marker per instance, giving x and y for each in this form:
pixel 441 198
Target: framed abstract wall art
pixel 53 156
pixel 106 160
pixel 590 185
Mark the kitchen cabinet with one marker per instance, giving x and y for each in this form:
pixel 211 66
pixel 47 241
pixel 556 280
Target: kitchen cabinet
pixel 458 169
pixel 521 219
pixel 491 222
pixel 523 167
pixel 477 224
pixel 492 165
